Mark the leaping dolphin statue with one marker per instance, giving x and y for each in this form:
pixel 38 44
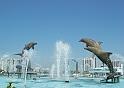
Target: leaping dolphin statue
pixel 29 46
pixel 95 48
pixel 91 43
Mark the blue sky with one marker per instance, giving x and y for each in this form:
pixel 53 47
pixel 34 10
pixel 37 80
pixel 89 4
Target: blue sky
pixel 47 21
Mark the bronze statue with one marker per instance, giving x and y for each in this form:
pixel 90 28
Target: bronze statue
pixel 29 46
pixel 95 48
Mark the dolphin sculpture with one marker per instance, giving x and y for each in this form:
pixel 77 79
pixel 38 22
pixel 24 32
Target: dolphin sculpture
pixel 91 43
pixel 29 46
pixel 95 48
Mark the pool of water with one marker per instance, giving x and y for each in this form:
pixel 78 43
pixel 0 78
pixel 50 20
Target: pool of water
pixel 48 83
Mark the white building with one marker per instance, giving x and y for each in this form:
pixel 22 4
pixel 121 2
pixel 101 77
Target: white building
pixel 88 63
pixel 103 71
pixel 117 64
pixel 9 64
pixel 92 65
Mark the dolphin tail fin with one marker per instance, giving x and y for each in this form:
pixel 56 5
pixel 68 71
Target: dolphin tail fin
pixel 19 54
pixel 109 53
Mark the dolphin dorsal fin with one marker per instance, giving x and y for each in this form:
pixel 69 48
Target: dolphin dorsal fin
pixel 100 42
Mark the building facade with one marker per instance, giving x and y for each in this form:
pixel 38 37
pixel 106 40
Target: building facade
pixel 90 63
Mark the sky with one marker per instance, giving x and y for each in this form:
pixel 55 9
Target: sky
pixel 48 21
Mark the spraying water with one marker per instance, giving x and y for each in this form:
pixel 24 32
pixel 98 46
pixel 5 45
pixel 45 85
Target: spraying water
pixel 52 71
pixel 26 57
pixel 66 57
pixel 62 53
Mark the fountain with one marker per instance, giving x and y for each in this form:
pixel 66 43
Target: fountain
pixel 52 71
pixel 62 55
pixel 26 57
pixel 66 53
pixel 26 54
